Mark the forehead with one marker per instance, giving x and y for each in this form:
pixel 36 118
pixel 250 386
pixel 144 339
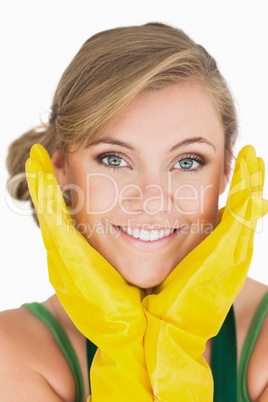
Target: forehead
pixel 158 119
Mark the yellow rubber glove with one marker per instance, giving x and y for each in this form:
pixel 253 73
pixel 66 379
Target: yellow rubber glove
pixel 190 306
pixel 104 307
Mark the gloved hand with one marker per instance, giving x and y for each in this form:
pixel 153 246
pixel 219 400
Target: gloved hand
pixel 190 306
pixel 103 306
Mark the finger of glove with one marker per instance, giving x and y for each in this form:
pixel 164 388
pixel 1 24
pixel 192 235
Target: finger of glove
pixel 256 168
pixel 256 183
pixel 42 199
pixel 239 188
pixel 258 207
pixel 253 182
pixel 33 176
pixel 245 177
pixel 248 153
pixel 257 178
pixel 247 189
pixel 32 167
pixel 242 182
pixel 40 154
pixel 45 183
pixel 261 168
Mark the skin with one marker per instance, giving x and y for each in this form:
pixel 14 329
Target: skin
pixel 161 118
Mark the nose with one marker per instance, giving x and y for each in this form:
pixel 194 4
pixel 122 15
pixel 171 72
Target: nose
pixel 148 196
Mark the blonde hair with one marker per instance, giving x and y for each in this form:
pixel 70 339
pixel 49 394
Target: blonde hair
pixel 110 70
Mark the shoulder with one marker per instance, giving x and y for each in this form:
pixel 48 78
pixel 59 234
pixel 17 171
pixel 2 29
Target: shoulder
pixel 32 365
pixel 245 307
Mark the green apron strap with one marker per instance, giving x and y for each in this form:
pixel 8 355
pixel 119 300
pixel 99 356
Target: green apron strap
pixel 91 350
pixel 248 347
pixel 224 361
pixel 62 340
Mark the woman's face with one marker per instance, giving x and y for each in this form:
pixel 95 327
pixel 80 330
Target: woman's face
pixel 160 165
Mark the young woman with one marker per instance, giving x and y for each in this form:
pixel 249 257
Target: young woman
pixel 140 137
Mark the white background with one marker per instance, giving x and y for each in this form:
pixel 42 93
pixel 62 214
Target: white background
pixel 39 39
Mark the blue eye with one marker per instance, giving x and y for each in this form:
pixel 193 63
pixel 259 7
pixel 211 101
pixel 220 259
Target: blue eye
pixel 190 163
pixel 187 163
pixel 114 160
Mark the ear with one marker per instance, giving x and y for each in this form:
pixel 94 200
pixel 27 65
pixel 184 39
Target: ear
pixel 59 163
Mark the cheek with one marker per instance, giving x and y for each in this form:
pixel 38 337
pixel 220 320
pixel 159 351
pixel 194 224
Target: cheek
pixel 96 194
pixel 92 193
pixel 93 197
pixel 198 199
pixel 101 194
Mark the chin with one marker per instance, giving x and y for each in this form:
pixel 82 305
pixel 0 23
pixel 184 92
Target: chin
pixel 147 282
pixel 145 274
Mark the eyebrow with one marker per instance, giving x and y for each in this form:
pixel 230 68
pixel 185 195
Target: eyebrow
pixel 187 141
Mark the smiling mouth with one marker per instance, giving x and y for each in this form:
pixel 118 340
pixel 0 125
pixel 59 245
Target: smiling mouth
pixel 154 245
pixel 147 235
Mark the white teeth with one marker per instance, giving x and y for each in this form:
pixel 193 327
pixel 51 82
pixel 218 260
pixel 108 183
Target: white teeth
pixel 147 235
pixel 154 235
pixel 167 232
pixel 136 233
pixel 144 235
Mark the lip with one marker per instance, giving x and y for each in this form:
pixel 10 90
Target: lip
pixel 147 245
pixel 147 227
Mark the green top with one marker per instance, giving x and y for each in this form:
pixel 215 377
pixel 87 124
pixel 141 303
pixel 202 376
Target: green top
pixel 227 385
